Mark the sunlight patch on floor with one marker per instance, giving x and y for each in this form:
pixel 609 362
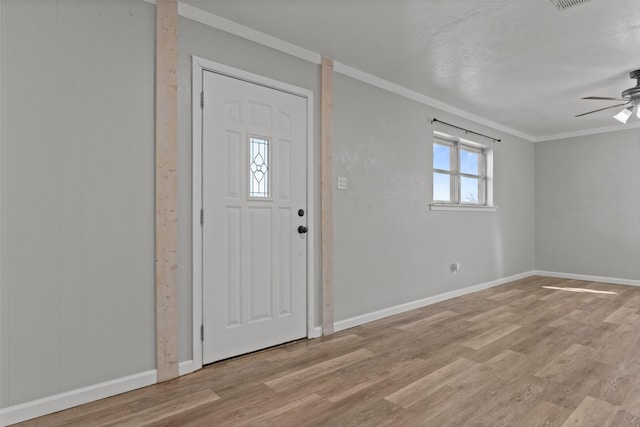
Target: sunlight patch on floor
pixel 593 291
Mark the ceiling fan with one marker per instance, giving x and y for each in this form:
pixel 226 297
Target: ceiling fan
pixel 631 98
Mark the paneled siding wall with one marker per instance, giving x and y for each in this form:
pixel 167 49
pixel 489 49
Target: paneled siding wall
pixel 77 195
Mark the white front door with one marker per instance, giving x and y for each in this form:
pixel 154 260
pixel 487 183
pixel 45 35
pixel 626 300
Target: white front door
pixel 255 217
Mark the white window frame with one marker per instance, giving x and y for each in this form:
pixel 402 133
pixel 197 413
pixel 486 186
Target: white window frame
pixel 485 175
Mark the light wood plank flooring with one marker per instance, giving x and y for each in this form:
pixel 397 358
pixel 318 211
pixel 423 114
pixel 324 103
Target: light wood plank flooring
pixel 514 355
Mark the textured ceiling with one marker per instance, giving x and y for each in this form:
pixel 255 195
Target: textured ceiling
pixel 520 63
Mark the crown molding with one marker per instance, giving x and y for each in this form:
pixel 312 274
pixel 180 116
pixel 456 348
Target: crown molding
pixel 587 132
pixel 423 99
pixel 214 21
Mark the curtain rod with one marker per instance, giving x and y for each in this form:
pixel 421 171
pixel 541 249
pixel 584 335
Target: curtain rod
pixel 466 130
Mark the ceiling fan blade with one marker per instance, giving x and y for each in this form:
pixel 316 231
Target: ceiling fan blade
pixel 604 98
pixel 605 108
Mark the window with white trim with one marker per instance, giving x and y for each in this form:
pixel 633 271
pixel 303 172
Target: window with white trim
pixel 461 172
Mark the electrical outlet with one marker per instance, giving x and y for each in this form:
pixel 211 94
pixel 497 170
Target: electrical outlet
pixel 454 267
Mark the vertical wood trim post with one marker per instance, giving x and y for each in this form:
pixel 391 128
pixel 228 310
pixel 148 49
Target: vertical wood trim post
pixel 326 120
pixel 166 187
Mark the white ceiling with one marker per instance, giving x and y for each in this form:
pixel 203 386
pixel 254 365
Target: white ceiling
pixel 520 63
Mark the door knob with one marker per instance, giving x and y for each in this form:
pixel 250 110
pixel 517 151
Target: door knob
pixel 302 229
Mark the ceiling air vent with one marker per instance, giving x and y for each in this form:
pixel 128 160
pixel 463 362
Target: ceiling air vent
pixel 566 4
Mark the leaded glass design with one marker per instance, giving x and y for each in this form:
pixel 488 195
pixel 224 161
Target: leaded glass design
pixel 258 167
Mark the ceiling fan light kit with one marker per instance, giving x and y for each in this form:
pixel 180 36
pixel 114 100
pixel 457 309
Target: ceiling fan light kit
pixel 623 115
pixel 631 97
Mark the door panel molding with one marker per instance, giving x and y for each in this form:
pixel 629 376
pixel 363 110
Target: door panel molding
pixel 199 66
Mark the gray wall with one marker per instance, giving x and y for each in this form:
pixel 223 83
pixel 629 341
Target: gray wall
pixel 390 248
pixel 77 213
pixel 77 195
pixel 588 205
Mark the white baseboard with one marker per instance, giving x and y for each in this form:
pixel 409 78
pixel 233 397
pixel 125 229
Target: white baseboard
pixel 185 367
pixel 315 333
pixel 385 312
pixel 47 405
pixel 601 279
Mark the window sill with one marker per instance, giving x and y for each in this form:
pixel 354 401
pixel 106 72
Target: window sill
pixel 463 208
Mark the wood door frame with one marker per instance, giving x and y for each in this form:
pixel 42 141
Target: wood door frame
pixel 198 66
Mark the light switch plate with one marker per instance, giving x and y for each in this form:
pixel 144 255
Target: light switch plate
pixel 342 183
